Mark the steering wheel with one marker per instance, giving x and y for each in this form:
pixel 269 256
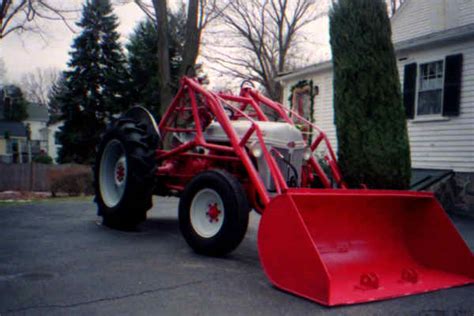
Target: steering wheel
pixel 247 82
pixel 230 113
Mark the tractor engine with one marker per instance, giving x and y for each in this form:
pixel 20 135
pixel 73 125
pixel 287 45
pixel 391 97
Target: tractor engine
pixel 284 142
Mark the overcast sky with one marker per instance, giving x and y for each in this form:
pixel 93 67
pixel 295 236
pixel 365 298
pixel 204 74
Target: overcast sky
pixel 23 53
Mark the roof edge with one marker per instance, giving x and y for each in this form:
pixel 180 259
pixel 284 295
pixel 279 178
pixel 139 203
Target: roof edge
pixel 450 35
pixel 314 68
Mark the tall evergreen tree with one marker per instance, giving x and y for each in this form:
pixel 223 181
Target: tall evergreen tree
pixel 95 84
pixel 372 136
pixel 14 103
pixel 142 50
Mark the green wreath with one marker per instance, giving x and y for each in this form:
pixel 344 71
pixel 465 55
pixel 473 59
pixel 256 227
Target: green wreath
pixel 312 93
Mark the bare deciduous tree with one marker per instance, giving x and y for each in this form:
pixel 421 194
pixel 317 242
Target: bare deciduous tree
pixel 20 15
pixel 37 84
pixel 199 14
pixel 257 37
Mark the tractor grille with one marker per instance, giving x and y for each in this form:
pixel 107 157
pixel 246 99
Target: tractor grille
pixel 295 158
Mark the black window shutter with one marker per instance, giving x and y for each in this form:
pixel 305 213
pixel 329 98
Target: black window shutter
pixel 452 85
pixel 409 89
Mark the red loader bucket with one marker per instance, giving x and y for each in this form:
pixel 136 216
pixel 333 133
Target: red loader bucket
pixel 352 246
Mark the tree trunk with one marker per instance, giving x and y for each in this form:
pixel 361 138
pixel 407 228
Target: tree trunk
pixel 166 94
pixel 274 90
pixel 192 38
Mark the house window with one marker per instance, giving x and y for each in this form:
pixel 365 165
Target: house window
pixel 430 92
pixel 434 88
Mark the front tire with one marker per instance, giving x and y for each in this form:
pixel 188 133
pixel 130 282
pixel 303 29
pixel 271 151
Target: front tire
pixel 213 213
pixel 124 175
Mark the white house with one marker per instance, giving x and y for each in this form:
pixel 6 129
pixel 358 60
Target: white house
pixel 434 43
pixel 21 141
pixel 43 134
pixel 37 126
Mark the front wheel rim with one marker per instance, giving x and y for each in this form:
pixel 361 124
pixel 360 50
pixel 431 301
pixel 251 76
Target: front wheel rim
pixel 113 173
pixel 207 213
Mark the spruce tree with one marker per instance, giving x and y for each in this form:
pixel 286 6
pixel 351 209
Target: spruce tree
pixel 14 104
pixel 142 51
pixel 142 62
pixel 373 147
pixel 94 84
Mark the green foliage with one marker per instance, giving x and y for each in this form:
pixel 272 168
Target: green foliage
pixel 58 89
pixel 371 127
pixel 143 63
pixel 14 104
pixel 312 94
pixel 43 159
pixel 95 84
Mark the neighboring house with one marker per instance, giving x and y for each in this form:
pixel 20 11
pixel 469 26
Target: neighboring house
pixel 13 139
pixel 434 43
pixel 37 126
pixel 13 136
pixel 20 141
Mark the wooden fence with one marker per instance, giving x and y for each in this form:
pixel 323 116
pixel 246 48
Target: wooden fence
pixel 32 177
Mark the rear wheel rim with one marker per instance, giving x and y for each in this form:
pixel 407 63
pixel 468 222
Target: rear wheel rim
pixel 207 213
pixel 113 173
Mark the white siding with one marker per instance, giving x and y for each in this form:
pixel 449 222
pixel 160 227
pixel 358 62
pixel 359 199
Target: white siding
pixel 445 144
pixel 422 17
pixel 466 11
pixel 413 19
pixel 323 105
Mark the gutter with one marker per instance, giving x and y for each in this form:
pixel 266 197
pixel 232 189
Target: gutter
pixel 457 34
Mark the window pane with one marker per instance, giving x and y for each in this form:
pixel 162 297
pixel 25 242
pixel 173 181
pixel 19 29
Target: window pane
pixel 430 88
pixel 431 76
pixel 439 69
pixel 429 102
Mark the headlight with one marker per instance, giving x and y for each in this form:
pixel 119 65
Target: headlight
pixel 256 149
pixel 307 154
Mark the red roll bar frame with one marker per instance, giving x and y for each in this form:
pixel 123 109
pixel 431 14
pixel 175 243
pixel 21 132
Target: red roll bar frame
pixel 203 104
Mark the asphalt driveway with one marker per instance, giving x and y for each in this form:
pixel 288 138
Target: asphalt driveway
pixel 55 259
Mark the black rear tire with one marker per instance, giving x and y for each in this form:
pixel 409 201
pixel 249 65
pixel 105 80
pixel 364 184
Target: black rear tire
pixel 136 198
pixel 235 213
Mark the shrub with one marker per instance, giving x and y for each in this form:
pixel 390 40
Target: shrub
pixel 44 159
pixel 372 135
pixel 72 180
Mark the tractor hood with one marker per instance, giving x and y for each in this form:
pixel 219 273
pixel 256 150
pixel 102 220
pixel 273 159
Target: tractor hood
pixel 276 134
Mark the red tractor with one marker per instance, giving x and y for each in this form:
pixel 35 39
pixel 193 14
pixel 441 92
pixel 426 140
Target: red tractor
pixel 224 155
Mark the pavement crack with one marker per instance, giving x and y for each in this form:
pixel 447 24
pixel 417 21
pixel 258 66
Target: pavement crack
pixel 105 299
